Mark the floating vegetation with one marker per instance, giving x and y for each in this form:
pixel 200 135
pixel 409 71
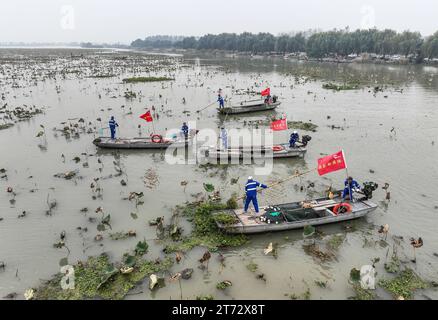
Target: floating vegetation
pixel 304 296
pixel 6 125
pixel 226 219
pixel 99 278
pixel 300 125
pixel 308 231
pixel 321 284
pixel 404 284
pixel 146 79
pixel 223 285
pixel 66 175
pixel 17 114
pixel 252 267
pixel 393 266
pixel 141 248
pixel 151 179
pixel 208 187
pixel 339 87
pixel 314 251
pixel 205 231
pixel 335 241
pixel 122 235
pixel 130 95
pixel 362 294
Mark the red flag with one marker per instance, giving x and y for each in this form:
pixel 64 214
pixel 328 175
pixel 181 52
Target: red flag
pixel 147 116
pixel 279 125
pixel 266 92
pixel 331 163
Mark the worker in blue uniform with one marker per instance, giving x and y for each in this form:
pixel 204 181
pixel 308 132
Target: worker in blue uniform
pixel 294 137
pixel 221 101
pixel 251 193
pixel 112 125
pixel 351 186
pixel 185 130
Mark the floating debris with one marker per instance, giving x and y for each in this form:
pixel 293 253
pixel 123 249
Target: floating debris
pixel 66 175
pixel 224 284
pixel 186 274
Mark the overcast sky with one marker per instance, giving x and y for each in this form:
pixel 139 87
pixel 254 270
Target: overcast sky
pixel 125 20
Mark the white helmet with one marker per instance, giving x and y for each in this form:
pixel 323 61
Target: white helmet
pixel 249 178
pixel 295 131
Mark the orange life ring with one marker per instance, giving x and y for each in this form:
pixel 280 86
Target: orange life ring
pixel 156 138
pixel 348 206
pixel 277 148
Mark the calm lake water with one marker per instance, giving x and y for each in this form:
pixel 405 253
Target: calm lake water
pixel 387 137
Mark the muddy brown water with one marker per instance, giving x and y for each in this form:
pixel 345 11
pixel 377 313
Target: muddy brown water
pixel 406 159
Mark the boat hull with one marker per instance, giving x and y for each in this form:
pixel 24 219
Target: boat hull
pixel 248 109
pixel 253 152
pixel 137 143
pixel 360 210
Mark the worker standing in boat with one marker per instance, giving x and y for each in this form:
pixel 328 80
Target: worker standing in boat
pixel 221 101
pixel 185 130
pixel 112 125
pixel 294 137
pixel 251 193
pixel 351 186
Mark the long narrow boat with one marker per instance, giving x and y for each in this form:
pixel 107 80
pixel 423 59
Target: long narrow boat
pixel 248 109
pixel 135 143
pixel 295 215
pixel 152 142
pixel 252 103
pixel 253 152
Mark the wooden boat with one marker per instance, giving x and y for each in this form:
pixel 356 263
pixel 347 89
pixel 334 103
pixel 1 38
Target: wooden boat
pixel 152 142
pixel 247 109
pixel 295 215
pixel 253 103
pixel 253 152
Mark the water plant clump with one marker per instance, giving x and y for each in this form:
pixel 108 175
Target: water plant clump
pixel 300 125
pixel 335 241
pixel 223 285
pixel 362 294
pixel 99 278
pixel 225 219
pixel 404 284
pixel 252 267
pixel 146 79
pixel 205 231
pixel 339 87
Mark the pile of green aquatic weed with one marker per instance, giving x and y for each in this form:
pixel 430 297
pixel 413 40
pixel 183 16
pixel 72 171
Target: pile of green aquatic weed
pixel 339 87
pixel 335 241
pixel 362 294
pixel 404 284
pixel 99 278
pixel 205 231
pixel 146 79
pixel 300 125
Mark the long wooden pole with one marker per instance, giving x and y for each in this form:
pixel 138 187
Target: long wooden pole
pixel 284 180
pixel 206 107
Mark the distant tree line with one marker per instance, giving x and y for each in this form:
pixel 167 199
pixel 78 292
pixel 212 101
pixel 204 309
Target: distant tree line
pixel 317 44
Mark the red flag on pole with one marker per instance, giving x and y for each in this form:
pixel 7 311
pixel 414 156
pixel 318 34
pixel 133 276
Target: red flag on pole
pixel 147 117
pixel 279 125
pixel 332 163
pixel 266 92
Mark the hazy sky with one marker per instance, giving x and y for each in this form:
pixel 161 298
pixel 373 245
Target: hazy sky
pixel 124 21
